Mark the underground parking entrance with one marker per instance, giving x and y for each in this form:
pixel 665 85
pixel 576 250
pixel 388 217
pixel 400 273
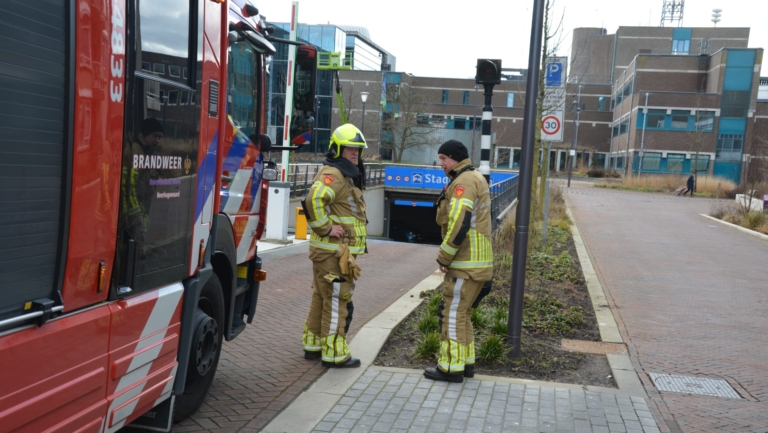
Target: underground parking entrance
pixel 410 217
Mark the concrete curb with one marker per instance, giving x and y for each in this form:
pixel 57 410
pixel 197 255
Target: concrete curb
pixel 621 365
pixel 309 408
pixel 745 230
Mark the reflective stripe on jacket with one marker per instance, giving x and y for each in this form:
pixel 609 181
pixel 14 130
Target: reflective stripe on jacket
pixel 465 219
pixel 333 199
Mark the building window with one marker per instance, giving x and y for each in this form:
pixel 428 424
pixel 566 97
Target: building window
pixel 186 71
pixel 675 162
pixel 173 97
pixel 158 68
pixel 679 119
pixel 174 71
pixel 651 161
pixel 681 46
pixel 460 122
pixel 601 103
pixel 146 66
pixel 729 146
pixel 703 163
pixel 465 98
pixel 656 118
pixel 422 119
pixel 705 120
pixel 445 97
pixel 510 99
pixel 734 103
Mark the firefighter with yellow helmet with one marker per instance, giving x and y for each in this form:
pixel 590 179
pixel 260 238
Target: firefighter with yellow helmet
pixel 465 257
pixel 335 211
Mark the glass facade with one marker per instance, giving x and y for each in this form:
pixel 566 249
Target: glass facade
pixel 326 38
pixel 364 56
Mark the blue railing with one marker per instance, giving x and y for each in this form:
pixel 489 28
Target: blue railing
pixel 503 195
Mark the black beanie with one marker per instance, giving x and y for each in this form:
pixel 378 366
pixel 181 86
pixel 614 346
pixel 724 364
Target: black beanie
pixel 454 150
pixel 150 125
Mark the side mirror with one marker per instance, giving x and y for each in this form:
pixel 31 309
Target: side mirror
pixel 262 140
pixel 270 171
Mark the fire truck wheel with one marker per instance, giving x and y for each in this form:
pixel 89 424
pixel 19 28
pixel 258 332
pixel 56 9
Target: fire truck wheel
pixel 206 347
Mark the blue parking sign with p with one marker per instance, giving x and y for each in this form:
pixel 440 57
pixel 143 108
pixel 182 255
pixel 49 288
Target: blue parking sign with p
pixel 554 74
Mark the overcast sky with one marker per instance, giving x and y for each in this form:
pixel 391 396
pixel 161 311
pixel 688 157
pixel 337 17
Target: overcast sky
pixel 445 39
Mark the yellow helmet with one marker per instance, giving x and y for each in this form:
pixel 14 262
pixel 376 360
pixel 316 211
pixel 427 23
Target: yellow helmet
pixel 346 135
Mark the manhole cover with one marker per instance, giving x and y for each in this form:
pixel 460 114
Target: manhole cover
pixel 693 385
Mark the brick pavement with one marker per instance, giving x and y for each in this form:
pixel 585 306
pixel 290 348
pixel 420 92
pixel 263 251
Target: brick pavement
pixel 263 370
pixel 385 401
pixel 690 297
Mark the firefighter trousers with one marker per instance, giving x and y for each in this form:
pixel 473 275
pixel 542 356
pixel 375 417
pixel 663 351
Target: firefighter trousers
pixel 457 342
pixel 330 312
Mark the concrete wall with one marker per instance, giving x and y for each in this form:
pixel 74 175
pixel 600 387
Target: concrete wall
pixel 374 201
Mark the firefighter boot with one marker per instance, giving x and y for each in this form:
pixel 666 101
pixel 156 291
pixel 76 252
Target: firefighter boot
pixel 349 363
pixel 469 370
pixel 439 375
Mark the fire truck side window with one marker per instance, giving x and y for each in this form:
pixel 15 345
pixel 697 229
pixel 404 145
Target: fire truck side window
pixel 160 150
pixel 163 32
pixel 243 86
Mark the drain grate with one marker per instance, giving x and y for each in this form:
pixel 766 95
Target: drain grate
pixel 693 385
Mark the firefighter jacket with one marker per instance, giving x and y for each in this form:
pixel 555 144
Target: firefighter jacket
pixel 464 215
pixel 334 199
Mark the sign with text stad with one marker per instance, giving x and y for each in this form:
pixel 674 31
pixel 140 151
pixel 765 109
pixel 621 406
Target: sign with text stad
pixel 553 106
pixel 427 178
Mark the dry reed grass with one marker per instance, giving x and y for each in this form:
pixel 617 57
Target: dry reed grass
pixel 705 185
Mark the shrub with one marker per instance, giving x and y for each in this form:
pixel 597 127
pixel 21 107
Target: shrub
pixel 754 220
pixel 492 349
pixel 720 209
pixel 428 324
pixel 553 268
pixel 499 327
pixel 428 346
pixel 596 172
pixel 549 315
pixel 479 318
pixel 434 304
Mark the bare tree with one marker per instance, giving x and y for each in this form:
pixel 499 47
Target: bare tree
pixel 406 126
pixel 756 170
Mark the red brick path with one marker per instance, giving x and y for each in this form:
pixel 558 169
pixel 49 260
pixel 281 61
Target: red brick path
pixel 263 370
pixel 690 296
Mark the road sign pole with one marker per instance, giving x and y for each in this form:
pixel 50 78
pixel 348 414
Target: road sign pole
pixel 523 215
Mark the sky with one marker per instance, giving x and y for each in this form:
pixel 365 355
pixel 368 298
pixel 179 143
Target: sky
pixel 445 39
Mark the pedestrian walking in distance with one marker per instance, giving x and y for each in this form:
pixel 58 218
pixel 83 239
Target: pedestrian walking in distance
pixel 690 184
pixel 335 212
pixel 465 258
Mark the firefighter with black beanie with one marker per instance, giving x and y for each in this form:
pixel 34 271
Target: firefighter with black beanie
pixel 465 258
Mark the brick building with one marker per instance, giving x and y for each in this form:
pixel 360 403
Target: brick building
pixel 703 106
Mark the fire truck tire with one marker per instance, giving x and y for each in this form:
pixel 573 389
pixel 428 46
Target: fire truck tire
pixel 207 339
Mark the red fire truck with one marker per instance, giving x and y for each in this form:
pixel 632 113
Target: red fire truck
pixel 133 190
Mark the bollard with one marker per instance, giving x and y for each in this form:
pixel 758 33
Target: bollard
pixel 301 224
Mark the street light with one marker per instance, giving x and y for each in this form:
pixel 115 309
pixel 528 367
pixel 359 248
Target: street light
pixel 572 152
pixel 474 123
pixel 364 97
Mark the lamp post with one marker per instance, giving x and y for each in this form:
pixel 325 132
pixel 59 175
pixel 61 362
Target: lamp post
pixel 572 152
pixel 474 123
pixel 317 120
pixel 364 97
